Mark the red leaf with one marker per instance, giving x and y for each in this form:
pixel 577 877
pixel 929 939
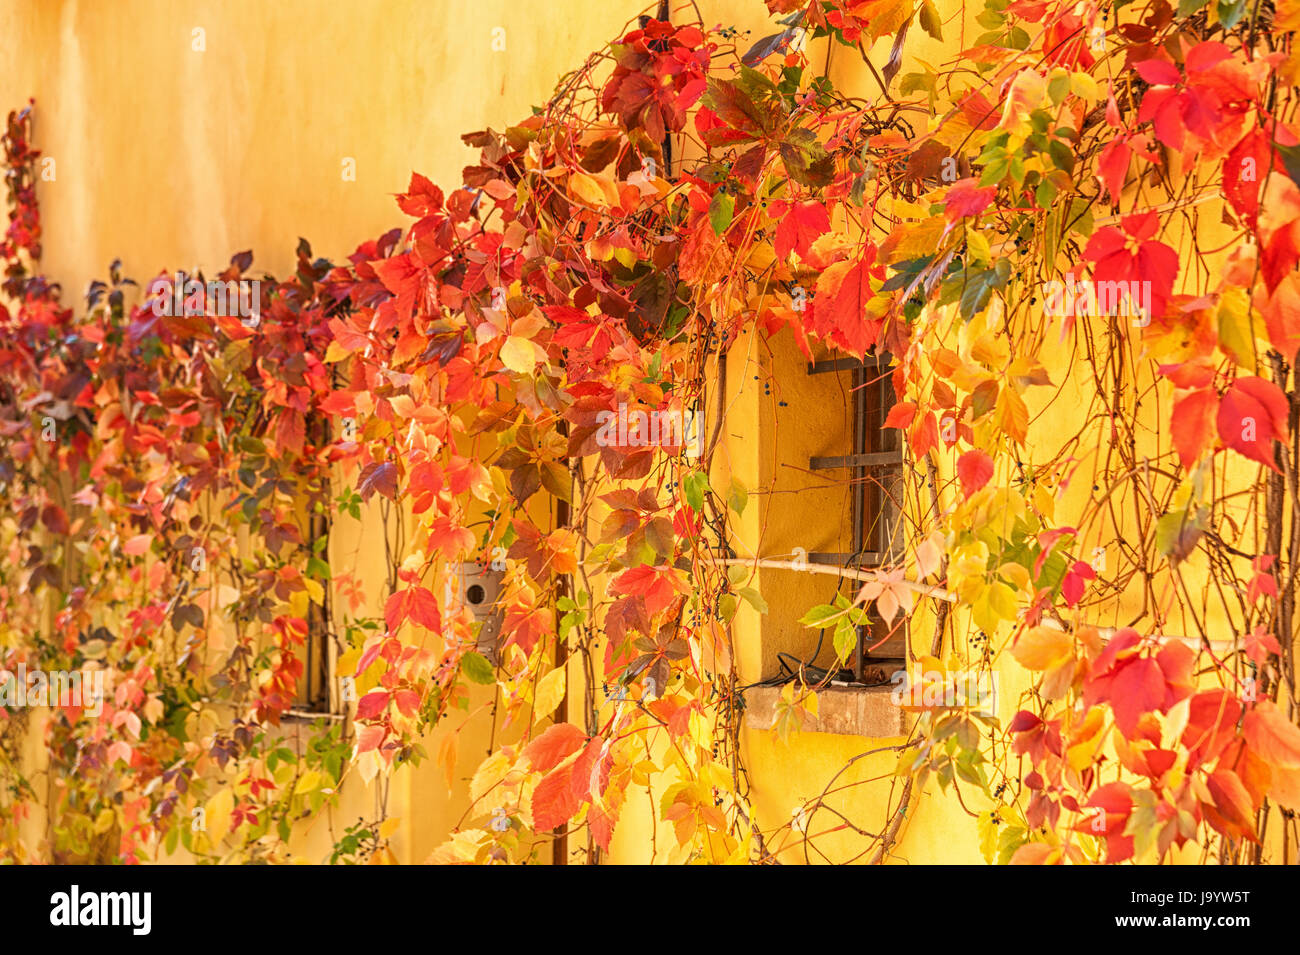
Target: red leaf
pixel 1271 397
pixel 416 604
pixel 799 224
pixel 1112 166
pixel 965 198
pixel 378 476
pixel 1192 424
pixel 1244 168
pixel 424 608
pixel 1073 586
pixel 839 308
pixel 1138 688
pixel 656 587
pixel 900 415
pixel 590 771
pixel 602 822
pixel 924 435
pixel 372 704
pixel 402 277
pixel 550 749
pixel 1251 416
pixel 1115 801
pixel 1259 644
pixel 974 469
pixel 1232 802
pixel 408 702
pixel 290 432
pixel 1282 315
pixel 341 403
pixel 421 199
pixel 1158 72
pixel 1211 726
pixel 370 736
pixel 1022 721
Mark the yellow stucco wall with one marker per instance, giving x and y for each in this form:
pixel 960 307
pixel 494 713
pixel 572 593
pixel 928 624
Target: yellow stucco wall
pixel 167 157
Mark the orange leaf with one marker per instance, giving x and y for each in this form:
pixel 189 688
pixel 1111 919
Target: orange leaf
pixel 549 750
pixel 554 802
pixel 1272 737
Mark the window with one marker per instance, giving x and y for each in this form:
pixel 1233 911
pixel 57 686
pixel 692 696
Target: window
pixel 874 471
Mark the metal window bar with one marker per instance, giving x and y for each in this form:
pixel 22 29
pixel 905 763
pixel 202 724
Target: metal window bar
pixel 870 463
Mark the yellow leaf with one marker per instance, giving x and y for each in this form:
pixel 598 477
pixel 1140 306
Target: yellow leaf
pixel 517 354
pixel 978 244
pixel 314 590
pixel 1040 648
pixel 884 17
pixel 389 826
pixel 216 814
pixel 911 240
pixel 1236 338
pixel 309 781
pixel 811 704
pixel 587 189
pixel 1086 741
pixel 336 352
pixel 490 772
pixel 1012 415
pixel 550 692
pixel 384 857
pixel 1016 575
pixel 1045 502
pixel 1085 87
pixel 461 847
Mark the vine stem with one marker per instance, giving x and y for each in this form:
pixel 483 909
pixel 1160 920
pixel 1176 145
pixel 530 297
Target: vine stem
pixel 930 590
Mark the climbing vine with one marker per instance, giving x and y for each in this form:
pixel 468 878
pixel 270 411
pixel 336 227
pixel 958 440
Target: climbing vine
pixel 1091 212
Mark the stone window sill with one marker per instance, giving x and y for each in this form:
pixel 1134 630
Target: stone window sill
pixel 844 710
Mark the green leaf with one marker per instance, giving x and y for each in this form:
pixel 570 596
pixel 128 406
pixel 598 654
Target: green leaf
pixel 1230 13
pixel 1058 86
pixel 1061 155
pixel 720 212
pixel 995 168
pixel 1177 534
pixel 754 598
pixel 695 485
pixel 979 287
pixel 846 639
pixel 736 107
pixel 1290 160
pixel 806 159
pixel 477 668
pixel 738 497
pixel 817 616
pixel 930 21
